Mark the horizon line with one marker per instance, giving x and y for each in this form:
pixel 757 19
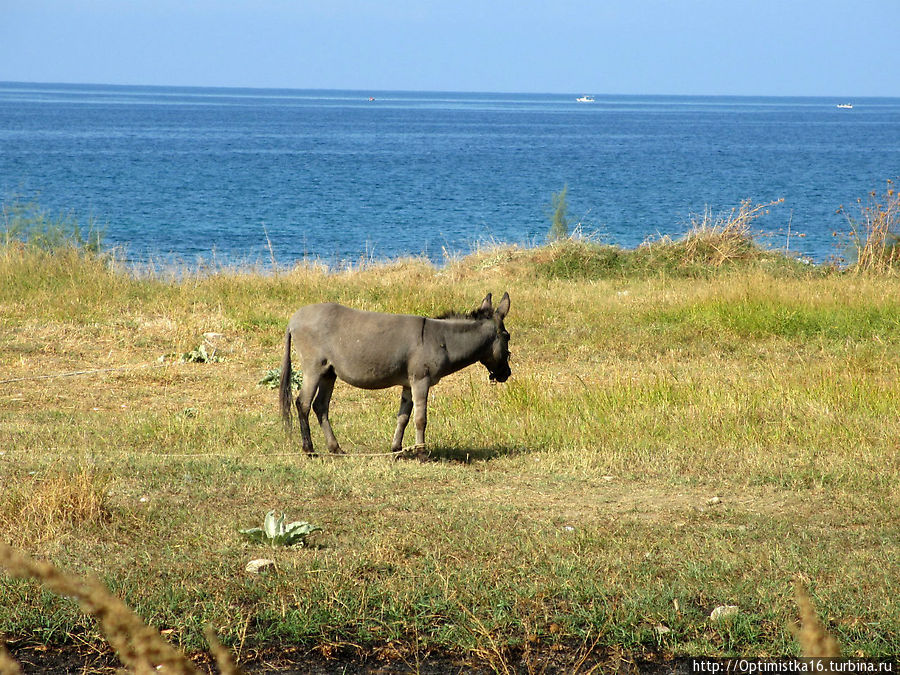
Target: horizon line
pixel 841 97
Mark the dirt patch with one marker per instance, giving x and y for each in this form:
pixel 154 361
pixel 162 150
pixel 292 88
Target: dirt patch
pixel 651 503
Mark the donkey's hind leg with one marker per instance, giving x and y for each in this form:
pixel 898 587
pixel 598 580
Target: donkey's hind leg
pixel 308 390
pixel 320 406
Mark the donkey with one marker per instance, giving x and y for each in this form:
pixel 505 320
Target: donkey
pixel 372 350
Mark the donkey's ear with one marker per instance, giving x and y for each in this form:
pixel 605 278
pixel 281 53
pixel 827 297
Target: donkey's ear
pixel 503 307
pixel 486 303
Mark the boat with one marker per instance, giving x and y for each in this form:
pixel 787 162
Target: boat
pixel 845 106
pixel 585 99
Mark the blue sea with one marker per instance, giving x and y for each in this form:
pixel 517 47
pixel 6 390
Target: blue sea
pixel 236 175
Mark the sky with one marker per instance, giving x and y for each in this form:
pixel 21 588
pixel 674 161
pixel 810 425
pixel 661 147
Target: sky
pixel 839 48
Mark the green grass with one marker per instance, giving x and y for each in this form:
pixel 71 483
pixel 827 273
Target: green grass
pixel 566 507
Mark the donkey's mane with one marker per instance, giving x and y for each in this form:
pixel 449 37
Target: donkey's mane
pixel 480 313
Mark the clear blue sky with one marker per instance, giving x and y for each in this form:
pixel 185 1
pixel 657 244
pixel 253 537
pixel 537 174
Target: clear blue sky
pixel 840 48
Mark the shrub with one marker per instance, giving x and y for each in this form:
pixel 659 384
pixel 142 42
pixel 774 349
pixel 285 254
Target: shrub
pixel 559 215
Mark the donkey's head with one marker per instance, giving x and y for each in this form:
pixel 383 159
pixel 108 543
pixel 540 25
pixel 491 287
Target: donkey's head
pixel 496 358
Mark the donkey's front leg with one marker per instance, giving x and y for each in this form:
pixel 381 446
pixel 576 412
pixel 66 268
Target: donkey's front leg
pixel 420 411
pixel 406 406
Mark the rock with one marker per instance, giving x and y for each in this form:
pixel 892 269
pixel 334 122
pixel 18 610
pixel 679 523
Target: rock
pixel 260 566
pixel 662 629
pixel 723 612
pixel 714 500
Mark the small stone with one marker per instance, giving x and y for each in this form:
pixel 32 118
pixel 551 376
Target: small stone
pixel 260 566
pixel 662 630
pixel 714 500
pixel 723 612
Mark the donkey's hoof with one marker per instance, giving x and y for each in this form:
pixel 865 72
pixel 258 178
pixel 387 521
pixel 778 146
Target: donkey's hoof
pixel 337 451
pixel 419 452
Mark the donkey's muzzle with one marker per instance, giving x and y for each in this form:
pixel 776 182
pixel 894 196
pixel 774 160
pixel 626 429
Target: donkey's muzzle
pixel 501 376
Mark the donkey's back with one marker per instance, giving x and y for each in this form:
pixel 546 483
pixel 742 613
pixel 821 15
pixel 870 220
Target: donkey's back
pixel 371 350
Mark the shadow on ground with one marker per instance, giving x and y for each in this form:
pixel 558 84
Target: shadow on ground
pixel 465 455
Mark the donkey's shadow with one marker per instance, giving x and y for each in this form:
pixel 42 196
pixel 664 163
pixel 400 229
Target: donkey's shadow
pixel 463 455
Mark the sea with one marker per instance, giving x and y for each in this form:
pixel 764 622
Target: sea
pixel 266 177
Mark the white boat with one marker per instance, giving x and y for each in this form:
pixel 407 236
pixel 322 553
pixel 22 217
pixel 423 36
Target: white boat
pixel 845 106
pixel 585 99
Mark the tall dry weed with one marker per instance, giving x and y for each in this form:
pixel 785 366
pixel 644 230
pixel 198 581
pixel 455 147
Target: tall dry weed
pixel 138 646
pixel 875 231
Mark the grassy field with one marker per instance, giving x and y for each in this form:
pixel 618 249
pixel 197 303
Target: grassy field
pixel 674 438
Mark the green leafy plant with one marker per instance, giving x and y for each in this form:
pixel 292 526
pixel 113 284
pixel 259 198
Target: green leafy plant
pixel 201 355
pixel 272 379
pixel 276 533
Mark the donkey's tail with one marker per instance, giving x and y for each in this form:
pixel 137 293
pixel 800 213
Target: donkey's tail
pixel 285 385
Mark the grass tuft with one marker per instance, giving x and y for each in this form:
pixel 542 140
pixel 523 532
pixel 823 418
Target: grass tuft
pixel 43 506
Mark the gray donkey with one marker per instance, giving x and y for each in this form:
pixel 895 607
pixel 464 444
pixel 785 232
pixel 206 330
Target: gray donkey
pixel 372 350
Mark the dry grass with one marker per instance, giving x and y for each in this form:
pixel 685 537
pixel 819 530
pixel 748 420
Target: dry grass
pixel 41 508
pixel 719 239
pixel 569 505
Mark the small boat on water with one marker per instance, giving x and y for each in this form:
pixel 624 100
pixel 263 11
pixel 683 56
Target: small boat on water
pixel 845 106
pixel 585 99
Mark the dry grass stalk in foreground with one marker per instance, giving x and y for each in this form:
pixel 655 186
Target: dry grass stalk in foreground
pixel 139 647
pixel 814 638
pixel 8 665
